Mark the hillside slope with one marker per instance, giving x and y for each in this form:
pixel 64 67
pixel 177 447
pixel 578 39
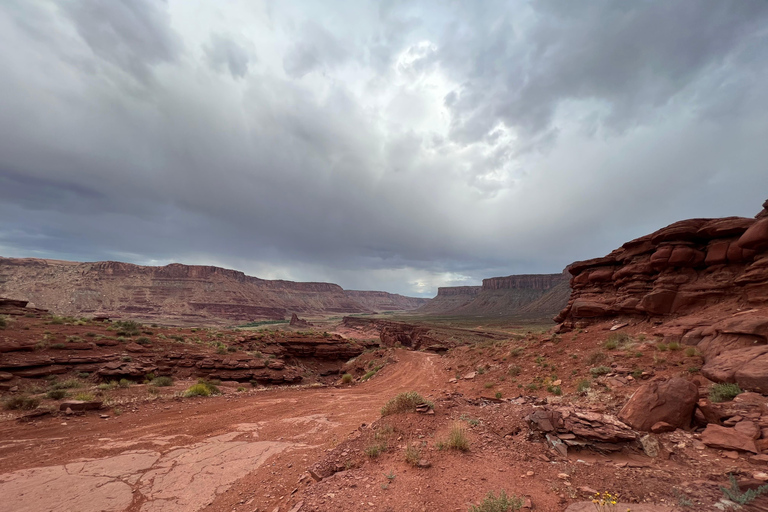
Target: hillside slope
pixel 177 293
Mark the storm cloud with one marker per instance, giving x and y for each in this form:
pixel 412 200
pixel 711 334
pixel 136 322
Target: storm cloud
pixel 380 145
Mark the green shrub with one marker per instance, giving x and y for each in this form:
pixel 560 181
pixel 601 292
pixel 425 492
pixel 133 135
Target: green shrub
pixel 498 394
pixel 68 384
pixel 143 340
pixel 662 347
pixel 599 370
pixel 582 386
pixel 514 371
pixel 412 454
pixel 375 450
pixel 56 394
pixel 742 498
pixel 489 385
pixel 405 402
pixel 457 438
pixel 59 346
pixel 368 375
pixel 124 383
pixel 555 390
pixel 108 386
pixel 22 403
pixel 346 378
pixel 502 503
pixel 3 322
pixel 610 344
pixel 162 381
pixel 724 392
pixel 691 352
pixel 673 345
pixel 595 357
pixel 85 397
pixel 202 388
pixel 515 352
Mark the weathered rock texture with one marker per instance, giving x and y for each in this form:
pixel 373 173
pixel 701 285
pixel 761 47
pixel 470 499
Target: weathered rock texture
pixel 518 295
pixel 178 293
pixel 670 401
pixel 704 280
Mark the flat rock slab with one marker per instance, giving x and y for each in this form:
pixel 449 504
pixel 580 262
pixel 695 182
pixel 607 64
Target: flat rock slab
pixel 80 405
pixel 588 506
pixel 186 478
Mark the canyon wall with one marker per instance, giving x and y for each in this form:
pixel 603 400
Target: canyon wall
pixel 527 295
pixel 383 301
pixel 177 293
pixel 703 282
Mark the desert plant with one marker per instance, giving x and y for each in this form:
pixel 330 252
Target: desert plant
pixel 691 352
pixel 724 392
pixel 500 503
pixel 346 378
pixel 555 390
pixel 59 346
pixel 457 438
pixel 23 403
pixel 405 402
pixel 515 352
pixel 85 397
pixel 595 357
pixel 124 383
pixel 412 454
pixel 673 345
pixel 56 394
pixel 742 498
pixel 68 384
pixel 202 388
pixel 3 322
pixel 375 450
pixel 108 386
pixel 162 381
pixel 662 347
pixel 514 370
pixel 582 386
pixel 143 340
pixel 368 375
pixel 489 385
pixel 498 394
pixel 599 370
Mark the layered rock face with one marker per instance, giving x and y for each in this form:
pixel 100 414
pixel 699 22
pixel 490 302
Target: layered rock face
pixel 705 280
pixel 383 301
pixel 532 295
pixel 182 294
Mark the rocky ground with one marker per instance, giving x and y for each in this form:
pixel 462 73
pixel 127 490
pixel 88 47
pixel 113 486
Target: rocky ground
pixel 539 414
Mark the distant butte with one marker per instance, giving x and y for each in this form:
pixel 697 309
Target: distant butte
pixel 180 294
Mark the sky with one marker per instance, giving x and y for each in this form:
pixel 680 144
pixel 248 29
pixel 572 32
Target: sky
pixel 391 145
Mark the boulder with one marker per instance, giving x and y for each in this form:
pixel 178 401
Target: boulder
pixel 756 237
pixel 670 401
pixel 586 308
pixel 725 227
pixel 723 367
pixel 724 438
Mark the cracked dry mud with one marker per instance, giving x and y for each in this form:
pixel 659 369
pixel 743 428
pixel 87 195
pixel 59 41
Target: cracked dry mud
pixel 196 454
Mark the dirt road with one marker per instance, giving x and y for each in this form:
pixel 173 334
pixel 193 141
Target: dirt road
pixel 241 451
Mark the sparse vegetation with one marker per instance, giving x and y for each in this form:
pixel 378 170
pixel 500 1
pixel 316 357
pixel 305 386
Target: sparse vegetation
pixel 582 386
pixel 662 347
pixel 595 357
pixel 125 383
pixel 517 351
pixel 162 381
pixel 202 388
pixel 3 322
pixel 500 503
pixel 412 454
pixel 21 403
pixel 673 345
pixel 457 438
pixel 85 397
pixel 346 378
pixel 405 402
pixel 691 352
pixel 599 370
pixel 555 390
pixel 724 392
pixel 514 370
pixel 736 495
pixel 68 384
pixel 375 450
pixel 56 394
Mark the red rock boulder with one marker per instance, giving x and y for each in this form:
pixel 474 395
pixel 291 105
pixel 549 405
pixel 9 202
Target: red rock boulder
pixel 670 401
pixel 756 237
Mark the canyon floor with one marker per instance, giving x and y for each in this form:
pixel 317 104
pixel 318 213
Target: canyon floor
pixel 326 447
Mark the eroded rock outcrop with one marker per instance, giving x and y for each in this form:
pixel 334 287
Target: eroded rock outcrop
pixel 705 280
pixel 669 401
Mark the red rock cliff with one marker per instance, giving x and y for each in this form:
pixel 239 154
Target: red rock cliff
pixel 704 280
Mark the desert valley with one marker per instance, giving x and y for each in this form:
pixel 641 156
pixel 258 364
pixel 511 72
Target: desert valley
pixel 131 388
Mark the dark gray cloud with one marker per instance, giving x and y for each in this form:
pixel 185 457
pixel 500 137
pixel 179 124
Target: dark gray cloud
pixel 131 34
pixel 225 54
pixel 393 145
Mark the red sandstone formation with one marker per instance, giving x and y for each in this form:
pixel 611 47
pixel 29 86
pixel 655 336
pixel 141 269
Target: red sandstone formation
pixel 181 294
pixel 519 295
pixel 703 281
